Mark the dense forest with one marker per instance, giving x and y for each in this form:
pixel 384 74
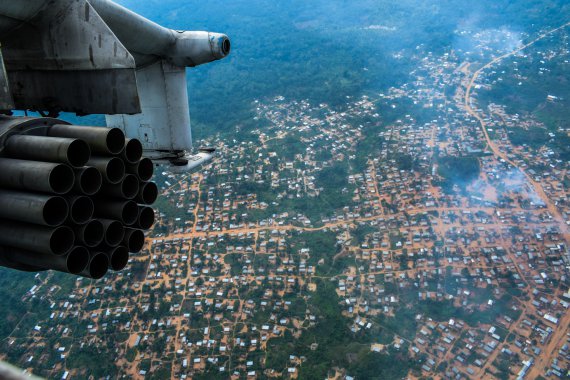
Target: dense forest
pixel 323 50
pixel 458 171
pixel 524 85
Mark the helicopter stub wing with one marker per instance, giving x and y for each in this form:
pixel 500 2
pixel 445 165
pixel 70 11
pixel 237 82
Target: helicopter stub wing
pixel 66 58
pixel 97 57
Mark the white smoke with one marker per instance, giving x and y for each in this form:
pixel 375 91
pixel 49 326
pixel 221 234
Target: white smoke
pixel 514 181
pixel 471 39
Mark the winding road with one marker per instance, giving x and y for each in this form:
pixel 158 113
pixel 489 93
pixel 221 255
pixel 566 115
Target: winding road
pixel 559 333
pixel 493 147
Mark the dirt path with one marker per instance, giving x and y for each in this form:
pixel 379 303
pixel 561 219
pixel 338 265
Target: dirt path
pixel 494 148
pixel 189 270
pixel 560 333
pixel 337 224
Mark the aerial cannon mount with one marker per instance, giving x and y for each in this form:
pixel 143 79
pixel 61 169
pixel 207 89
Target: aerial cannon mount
pixel 77 199
pixel 98 57
pixel 74 199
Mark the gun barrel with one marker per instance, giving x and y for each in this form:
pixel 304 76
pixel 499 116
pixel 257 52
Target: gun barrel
pixel 74 262
pixel 133 240
pixel 47 210
pixel 81 209
pixel 112 169
pixel 98 266
pixel 148 193
pixel 114 232
pixel 90 234
pixel 57 213
pixel 88 180
pixel 118 258
pixel 143 169
pixel 126 189
pixel 145 218
pixel 125 211
pixel 73 152
pixel 133 151
pixel 55 241
pixel 36 176
pixel 104 141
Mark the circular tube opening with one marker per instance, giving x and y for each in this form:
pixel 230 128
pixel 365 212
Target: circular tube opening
pixel 130 213
pixel 226 46
pixel 78 153
pixel 114 234
pixel 119 258
pixel 115 170
pixel 133 151
pixel 130 186
pixel 93 233
pixel 145 169
pixel 146 218
pixel 135 240
pixel 98 266
pixel 82 209
pixel 55 211
pixel 90 181
pixel 61 179
pixel 61 241
pixel 77 260
pixel 115 141
pixel 148 193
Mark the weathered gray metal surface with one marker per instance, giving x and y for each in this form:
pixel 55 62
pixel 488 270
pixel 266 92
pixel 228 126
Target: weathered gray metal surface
pixel 150 42
pixel 79 55
pixel 15 13
pixel 6 99
pixel 80 91
pixel 95 56
pixel 192 161
pixel 63 56
pixel 195 48
pixel 164 124
pixel 145 39
pixel 12 126
pixel 66 35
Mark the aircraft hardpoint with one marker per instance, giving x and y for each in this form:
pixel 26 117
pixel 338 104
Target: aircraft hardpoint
pixel 73 198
